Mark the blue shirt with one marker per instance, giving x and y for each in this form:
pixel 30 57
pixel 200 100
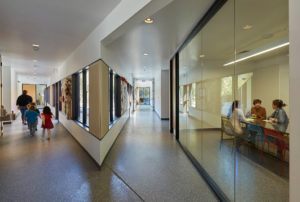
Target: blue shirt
pixel 280 115
pixel 31 116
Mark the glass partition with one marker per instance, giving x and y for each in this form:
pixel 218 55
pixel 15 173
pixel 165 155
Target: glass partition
pixel 233 88
pixel 40 95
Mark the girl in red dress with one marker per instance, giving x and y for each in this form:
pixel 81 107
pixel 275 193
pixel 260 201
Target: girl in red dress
pixel 47 123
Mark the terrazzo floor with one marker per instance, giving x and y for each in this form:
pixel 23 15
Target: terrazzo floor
pixel 144 164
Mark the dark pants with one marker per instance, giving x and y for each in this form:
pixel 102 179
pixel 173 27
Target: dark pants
pixel 32 127
pixel 23 109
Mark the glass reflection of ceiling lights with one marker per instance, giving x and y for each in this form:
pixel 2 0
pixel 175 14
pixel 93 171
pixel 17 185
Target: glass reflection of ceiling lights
pixel 258 53
pixel 247 27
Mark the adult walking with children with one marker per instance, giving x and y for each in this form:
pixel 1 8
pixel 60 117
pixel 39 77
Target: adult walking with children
pixel 22 102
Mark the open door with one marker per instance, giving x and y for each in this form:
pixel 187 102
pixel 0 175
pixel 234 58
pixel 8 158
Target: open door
pixel 31 90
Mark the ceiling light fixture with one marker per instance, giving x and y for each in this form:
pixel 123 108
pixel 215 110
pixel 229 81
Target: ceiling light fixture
pixel 202 56
pixel 35 47
pixel 145 54
pixel 246 27
pixel 148 20
pixel 34 60
pixel 256 54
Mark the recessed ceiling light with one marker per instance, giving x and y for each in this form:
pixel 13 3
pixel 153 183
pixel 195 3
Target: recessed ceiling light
pixel 34 60
pixel 246 27
pixel 202 56
pixel 149 21
pixel 35 47
pixel 145 54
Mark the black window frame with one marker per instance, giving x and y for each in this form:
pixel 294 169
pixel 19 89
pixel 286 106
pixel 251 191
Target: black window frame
pixel 76 97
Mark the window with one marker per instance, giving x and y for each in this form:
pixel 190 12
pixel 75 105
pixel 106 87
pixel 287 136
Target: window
pixel 80 110
pixel 112 97
pixel 233 62
pixel 81 105
pixel 87 97
pixel 181 95
pixel 193 95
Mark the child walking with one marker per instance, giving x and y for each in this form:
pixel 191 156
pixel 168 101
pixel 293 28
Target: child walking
pixel 38 111
pixel 47 123
pixel 31 117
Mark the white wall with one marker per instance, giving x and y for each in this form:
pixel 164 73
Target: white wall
pixel 28 79
pixel 157 99
pixel 165 94
pixel 89 142
pixel 14 90
pixel 6 88
pixel 294 16
pixel 90 49
pixel 162 94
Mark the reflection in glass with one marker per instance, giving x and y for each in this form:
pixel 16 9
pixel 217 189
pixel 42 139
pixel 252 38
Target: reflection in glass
pixel 239 56
pixel 80 111
pixel 40 95
pixel 87 97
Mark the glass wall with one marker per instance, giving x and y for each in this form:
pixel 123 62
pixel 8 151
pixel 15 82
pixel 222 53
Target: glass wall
pixel 82 97
pixel 80 110
pixel 40 95
pixel 87 97
pixel 233 87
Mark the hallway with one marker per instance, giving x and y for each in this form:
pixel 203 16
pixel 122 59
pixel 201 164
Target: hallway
pixel 145 164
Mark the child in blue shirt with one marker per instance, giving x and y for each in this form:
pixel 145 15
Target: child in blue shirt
pixel 31 117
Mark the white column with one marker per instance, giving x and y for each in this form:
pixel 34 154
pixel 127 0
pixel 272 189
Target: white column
pixel 6 88
pixel 294 16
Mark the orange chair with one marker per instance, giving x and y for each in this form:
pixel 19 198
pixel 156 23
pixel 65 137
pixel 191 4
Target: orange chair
pixel 277 140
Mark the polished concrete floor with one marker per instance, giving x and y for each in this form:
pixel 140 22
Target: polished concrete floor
pixel 240 171
pixel 145 164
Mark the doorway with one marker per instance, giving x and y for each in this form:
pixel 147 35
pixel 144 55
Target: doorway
pixel 144 95
pixel 36 91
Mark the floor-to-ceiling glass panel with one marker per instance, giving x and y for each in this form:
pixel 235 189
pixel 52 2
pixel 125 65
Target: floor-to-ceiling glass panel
pixel 40 95
pixel 87 96
pixel 262 74
pixel 80 111
pixel 217 83
pixel 206 96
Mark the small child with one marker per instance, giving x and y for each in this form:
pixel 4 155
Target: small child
pixel 47 123
pixel 38 111
pixel 31 117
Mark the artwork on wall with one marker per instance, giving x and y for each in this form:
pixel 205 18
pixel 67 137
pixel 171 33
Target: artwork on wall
pixel 66 98
pixel 124 96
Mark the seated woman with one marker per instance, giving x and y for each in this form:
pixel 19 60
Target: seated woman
pixel 237 116
pixel 257 110
pixel 279 115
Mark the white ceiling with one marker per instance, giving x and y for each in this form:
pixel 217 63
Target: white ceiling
pixel 172 24
pixel 58 26
pixel 160 39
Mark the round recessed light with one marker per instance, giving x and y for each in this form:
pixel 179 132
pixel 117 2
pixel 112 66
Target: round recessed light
pixel 149 21
pixel 202 56
pixel 246 27
pixel 145 54
pixel 35 47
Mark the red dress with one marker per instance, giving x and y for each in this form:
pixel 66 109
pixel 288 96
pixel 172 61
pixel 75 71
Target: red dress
pixel 48 122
